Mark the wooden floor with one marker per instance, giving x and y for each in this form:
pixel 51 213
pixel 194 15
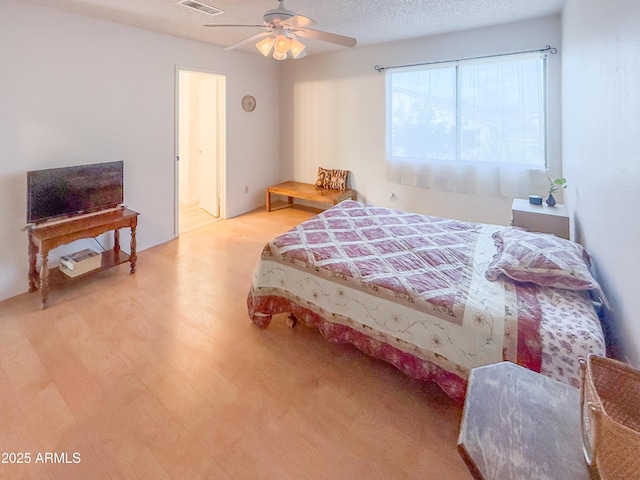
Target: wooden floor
pixel 161 375
pixel 192 217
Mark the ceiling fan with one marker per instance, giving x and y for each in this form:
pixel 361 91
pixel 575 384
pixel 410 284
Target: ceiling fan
pixel 282 27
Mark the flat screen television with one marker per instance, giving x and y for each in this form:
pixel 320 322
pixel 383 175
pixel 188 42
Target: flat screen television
pixel 67 191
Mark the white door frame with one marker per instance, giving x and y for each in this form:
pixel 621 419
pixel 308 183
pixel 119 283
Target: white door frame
pixel 221 116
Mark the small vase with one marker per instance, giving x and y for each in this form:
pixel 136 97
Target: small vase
pixel 551 201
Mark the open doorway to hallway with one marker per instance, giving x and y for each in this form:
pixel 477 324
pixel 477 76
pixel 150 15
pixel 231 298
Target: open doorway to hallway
pixel 200 149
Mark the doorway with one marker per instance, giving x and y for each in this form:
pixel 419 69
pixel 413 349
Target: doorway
pixel 200 143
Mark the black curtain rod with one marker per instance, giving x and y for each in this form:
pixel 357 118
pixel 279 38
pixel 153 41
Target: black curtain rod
pixel 548 48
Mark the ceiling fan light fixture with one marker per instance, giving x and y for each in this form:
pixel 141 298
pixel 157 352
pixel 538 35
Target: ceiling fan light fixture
pixel 279 56
pixel 281 45
pixel 265 45
pixel 295 46
pixel 278 37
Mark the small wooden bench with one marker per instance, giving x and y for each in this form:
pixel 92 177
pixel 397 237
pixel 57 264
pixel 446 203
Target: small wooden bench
pixel 308 191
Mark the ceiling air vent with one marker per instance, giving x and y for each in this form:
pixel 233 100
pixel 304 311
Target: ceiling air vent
pixel 201 7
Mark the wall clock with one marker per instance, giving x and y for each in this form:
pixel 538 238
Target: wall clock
pixel 248 103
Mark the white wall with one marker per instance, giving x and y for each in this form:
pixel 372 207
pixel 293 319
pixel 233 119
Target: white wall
pixel 333 114
pixel 601 125
pixel 79 90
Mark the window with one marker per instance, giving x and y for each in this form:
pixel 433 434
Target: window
pixel 470 112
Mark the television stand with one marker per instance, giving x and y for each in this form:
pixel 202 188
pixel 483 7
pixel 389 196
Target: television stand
pixel 44 238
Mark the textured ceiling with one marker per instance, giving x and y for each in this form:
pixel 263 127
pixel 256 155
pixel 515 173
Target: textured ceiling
pixel 369 21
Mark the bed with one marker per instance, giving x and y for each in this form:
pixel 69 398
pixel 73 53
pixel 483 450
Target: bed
pixel 435 297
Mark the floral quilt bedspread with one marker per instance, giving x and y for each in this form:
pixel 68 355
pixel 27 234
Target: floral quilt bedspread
pixel 404 287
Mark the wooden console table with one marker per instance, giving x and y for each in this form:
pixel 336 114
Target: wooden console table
pixel 44 238
pixel 520 425
pixel 308 191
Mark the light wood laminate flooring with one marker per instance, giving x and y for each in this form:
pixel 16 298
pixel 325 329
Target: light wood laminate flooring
pixel 161 375
pixel 192 217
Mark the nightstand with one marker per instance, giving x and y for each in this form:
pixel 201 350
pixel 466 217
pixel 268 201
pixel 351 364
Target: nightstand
pixel 540 218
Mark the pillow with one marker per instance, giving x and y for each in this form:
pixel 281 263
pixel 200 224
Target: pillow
pixel 332 179
pixel 543 259
pixel 323 174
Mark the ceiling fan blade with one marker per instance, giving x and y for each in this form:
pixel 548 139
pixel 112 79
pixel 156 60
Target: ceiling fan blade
pixel 327 37
pixel 298 21
pixel 232 25
pixel 247 40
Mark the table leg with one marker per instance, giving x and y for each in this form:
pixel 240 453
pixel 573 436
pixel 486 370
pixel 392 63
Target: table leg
pixel 116 241
pixel 33 272
pixel 44 279
pixel 133 257
pixel 268 200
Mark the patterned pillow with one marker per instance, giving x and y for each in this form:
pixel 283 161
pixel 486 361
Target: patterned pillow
pixel 542 259
pixel 332 179
pixel 323 176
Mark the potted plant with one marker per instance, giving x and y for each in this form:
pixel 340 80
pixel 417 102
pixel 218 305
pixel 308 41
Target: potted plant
pixel 554 185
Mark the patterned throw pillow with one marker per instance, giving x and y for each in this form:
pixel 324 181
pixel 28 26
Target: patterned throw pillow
pixel 332 179
pixel 323 176
pixel 543 259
